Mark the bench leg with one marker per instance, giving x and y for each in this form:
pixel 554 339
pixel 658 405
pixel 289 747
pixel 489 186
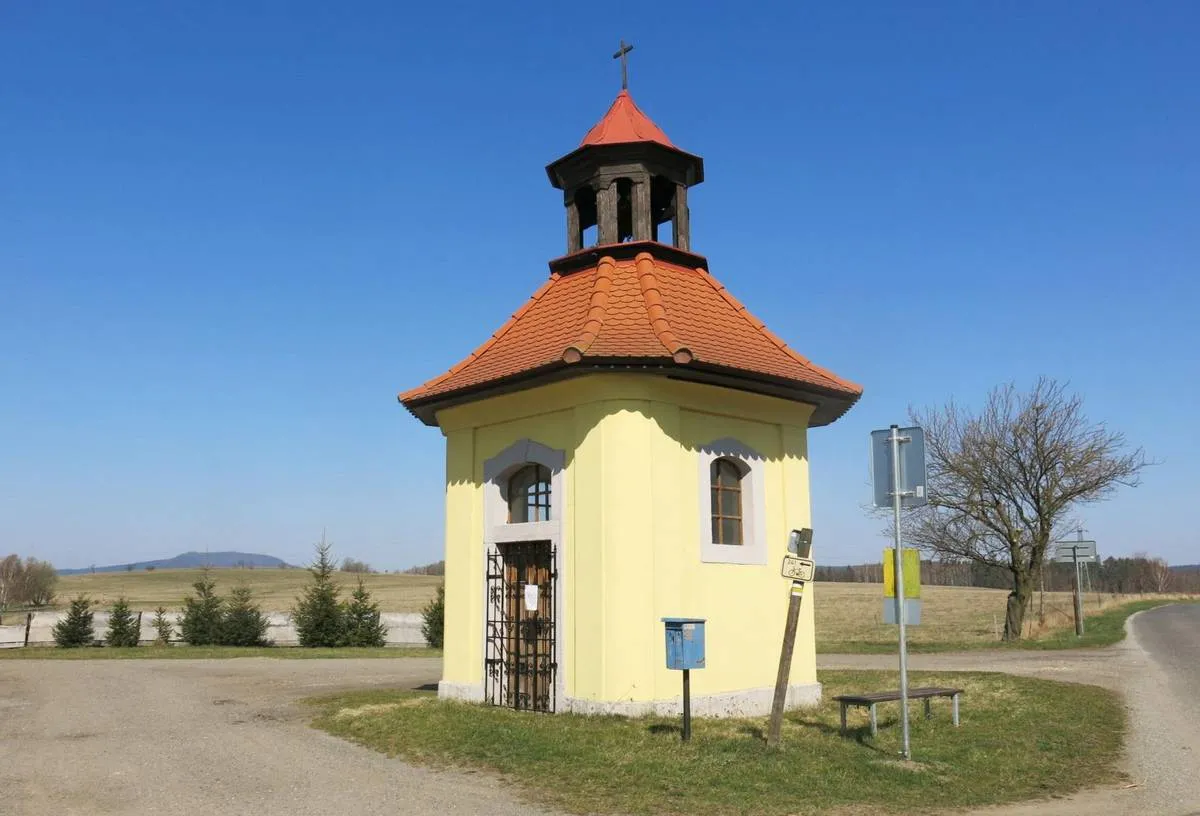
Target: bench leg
pixel 874 724
pixel 928 711
pixel 954 708
pixel 843 719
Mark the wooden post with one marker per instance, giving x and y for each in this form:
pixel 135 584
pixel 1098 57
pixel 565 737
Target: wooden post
pixel 606 214
pixel 641 209
pixel 1042 600
pixel 680 222
pixel 785 663
pixel 28 623
pixel 574 233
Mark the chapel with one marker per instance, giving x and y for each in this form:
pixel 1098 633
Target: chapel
pixel 631 444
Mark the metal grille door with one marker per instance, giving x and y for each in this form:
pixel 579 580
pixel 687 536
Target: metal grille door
pixel 519 668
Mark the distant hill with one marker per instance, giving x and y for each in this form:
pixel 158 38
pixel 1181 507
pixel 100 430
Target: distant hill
pixel 190 560
pixel 1186 568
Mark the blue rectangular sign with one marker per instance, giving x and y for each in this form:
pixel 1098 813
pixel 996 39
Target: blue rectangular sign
pixel 912 467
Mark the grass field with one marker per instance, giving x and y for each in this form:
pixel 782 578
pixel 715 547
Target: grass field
pixel 1020 738
pixel 275 589
pixel 849 616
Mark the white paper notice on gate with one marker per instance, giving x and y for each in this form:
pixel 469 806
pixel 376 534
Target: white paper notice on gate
pixel 531 597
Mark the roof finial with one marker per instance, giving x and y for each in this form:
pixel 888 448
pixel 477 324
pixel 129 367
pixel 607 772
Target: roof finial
pixel 621 52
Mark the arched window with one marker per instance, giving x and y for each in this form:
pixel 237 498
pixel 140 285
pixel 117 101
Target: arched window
pixel 725 478
pixel 529 495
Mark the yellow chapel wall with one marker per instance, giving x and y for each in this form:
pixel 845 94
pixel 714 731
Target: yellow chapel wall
pixel 631 532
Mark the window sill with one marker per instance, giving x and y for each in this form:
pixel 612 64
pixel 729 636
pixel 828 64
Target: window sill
pixel 525 531
pixel 747 554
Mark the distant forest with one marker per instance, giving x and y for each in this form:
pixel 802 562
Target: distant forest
pixel 1137 574
pixel 436 568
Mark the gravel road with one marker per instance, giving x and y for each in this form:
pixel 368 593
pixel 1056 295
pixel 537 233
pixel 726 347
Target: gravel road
pixel 224 737
pixel 219 737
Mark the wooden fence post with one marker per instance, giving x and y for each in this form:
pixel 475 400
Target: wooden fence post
pixel 28 623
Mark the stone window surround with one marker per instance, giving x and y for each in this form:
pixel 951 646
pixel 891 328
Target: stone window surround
pixel 753 549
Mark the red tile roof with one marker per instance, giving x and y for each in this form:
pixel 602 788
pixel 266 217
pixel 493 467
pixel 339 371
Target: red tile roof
pixel 643 311
pixel 625 123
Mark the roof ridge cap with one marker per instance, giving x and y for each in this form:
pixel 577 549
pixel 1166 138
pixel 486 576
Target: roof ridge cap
pixel 597 311
pixel 656 312
pixel 486 344
pixel 772 336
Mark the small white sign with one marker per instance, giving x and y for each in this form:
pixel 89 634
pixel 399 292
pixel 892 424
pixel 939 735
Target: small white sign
pixel 531 597
pixel 798 569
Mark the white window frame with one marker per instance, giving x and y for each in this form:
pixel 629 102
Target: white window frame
pixel 496 473
pixel 753 549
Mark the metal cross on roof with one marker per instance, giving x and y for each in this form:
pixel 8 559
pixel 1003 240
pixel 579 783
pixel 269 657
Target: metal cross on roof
pixel 621 52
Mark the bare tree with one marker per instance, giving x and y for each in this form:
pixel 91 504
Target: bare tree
pixel 354 565
pixel 1002 482
pixel 30 582
pixel 1159 573
pixel 12 573
pixel 41 579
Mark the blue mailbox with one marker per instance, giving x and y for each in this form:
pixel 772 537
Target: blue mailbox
pixel 685 643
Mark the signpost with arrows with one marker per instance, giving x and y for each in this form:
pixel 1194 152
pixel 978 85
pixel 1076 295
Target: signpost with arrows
pixel 1076 552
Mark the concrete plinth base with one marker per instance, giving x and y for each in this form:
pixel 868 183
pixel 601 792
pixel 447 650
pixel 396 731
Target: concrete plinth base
pixel 755 702
pixel 464 692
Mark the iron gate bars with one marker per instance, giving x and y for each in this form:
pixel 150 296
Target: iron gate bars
pixel 519 665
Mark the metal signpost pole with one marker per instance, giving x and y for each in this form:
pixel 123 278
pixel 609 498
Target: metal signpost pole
pixel 687 705
pixel 899 553
pixel 1078 554
pixel 1079 600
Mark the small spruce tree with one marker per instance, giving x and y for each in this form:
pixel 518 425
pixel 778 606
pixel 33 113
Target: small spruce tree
pixel 202 614
pixel 244 623
pixel 434 615
pixel 163 627
pixel 123 629
pixel 363 624
pixel 318 616
pixel 76 628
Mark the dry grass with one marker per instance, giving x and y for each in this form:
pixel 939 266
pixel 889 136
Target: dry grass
pixel 275 589
pixel 846 613
pixel 853 613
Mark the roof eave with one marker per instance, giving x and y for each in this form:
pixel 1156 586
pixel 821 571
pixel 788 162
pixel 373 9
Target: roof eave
pixel 696 163
pixel 829 404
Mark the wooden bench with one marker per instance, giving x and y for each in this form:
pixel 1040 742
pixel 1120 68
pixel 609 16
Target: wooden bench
pixel 869 701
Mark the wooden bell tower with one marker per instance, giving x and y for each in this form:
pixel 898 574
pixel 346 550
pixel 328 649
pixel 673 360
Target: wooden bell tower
pixel 626 179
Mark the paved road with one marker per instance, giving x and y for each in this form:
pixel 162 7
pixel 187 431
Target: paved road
pixel 1157 670
pixel 221 737
pixel 1171 636
pixel 1165 700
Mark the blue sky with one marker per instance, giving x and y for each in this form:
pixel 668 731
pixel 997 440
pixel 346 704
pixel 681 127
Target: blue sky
pixel 230 232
